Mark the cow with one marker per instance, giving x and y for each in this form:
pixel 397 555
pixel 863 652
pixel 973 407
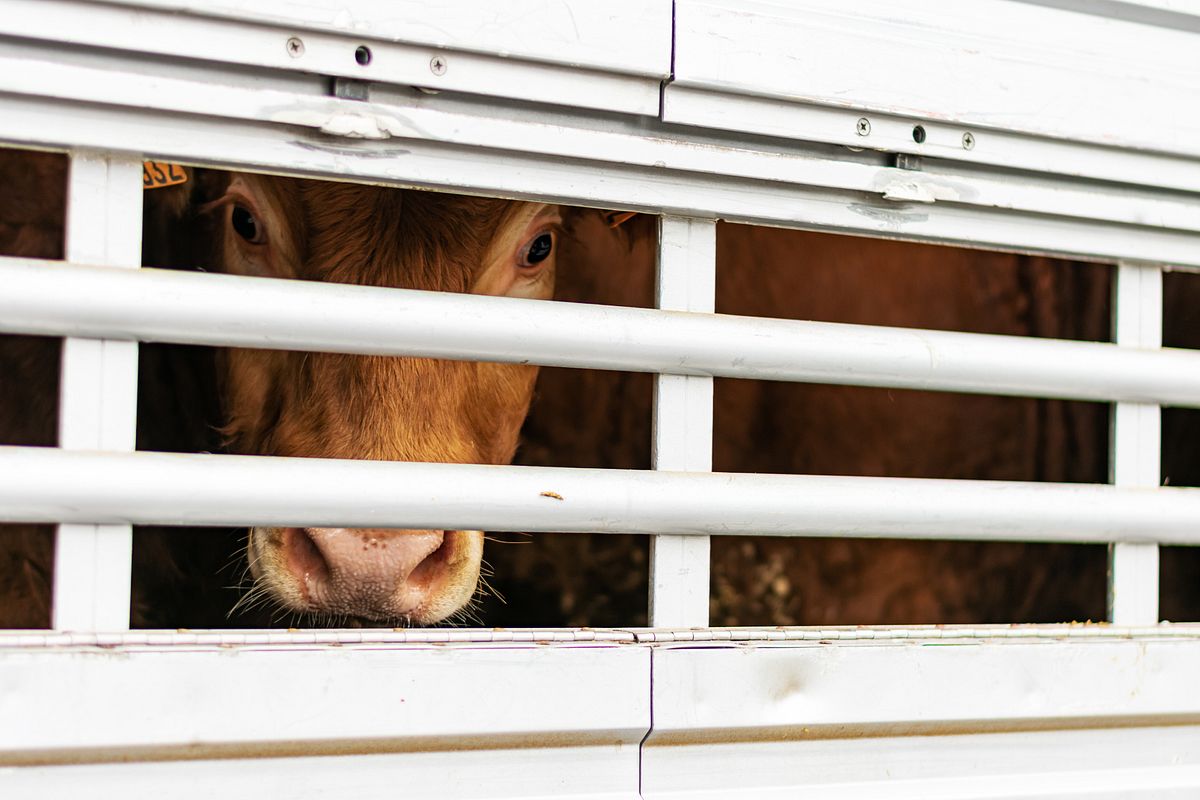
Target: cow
pixel 320 404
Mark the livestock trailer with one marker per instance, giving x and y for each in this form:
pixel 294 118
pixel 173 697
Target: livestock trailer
pixel 1060 127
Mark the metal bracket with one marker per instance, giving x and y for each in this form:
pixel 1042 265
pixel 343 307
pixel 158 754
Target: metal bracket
pixel 351 89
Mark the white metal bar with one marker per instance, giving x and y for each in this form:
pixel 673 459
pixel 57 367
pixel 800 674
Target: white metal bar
pixel 98 401
pixel 194 308
pixel 864 634
pixel 44 484
pixel 294 638
pixel 1136 445
pixel 683 409
pixel 339 637
pixel 784 118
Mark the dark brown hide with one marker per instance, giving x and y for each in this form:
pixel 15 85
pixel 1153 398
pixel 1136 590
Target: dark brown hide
pixel 776 427
pixel 32 209
pixel 181 577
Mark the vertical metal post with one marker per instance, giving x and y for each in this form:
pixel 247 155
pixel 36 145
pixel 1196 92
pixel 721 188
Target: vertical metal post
pixel 98 403
pixel 683 409
pixel 1135 443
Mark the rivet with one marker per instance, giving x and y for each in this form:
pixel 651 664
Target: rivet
pixel 295 47
pixel 863 127
pixel 968 140
pixel 437 65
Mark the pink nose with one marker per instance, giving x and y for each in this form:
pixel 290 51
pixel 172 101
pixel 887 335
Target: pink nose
pixel 378 573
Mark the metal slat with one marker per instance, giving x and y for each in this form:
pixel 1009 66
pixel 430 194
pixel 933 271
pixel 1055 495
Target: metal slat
pixel 683 409
pixel 237 311
pixel 44 484
pixel 1135 443
pixel 98 404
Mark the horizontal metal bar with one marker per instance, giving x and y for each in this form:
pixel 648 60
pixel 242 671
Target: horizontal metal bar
pixel 192 308
pixel 419 638
pixel 399 638
pixel 47 484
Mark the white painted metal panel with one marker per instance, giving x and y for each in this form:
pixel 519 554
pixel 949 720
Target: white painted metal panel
pixel 683 424
pixel 98 404
pixel 631 36
pixel 448 143
pixel 610 56
pixel 453 721
pixel 1136 445
pixel 976 720
pixel 193 308
pixel 232 95
pixel 581 772
pixel 45 484
pixel 979 66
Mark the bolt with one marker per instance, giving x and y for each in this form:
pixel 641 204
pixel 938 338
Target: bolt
pixel 864 126
pixel 437 65
pixel 295 47
pixel 968 141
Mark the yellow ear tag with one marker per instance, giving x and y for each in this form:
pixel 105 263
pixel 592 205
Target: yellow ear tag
pixel 156 174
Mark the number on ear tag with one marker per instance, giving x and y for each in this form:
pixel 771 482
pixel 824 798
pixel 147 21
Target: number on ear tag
pixel 157 174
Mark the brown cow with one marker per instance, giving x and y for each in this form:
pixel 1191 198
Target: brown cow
pixel 328 405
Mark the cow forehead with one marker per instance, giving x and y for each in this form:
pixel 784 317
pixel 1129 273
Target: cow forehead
pixel 375 235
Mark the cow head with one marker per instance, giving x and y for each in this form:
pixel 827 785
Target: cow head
pixel 366 407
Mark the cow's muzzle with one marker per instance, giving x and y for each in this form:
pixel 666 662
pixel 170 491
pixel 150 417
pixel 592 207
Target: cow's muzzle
pixel 378 574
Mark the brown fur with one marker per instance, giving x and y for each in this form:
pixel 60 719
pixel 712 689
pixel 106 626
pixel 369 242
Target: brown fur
pixel 32 210
pixel 797 428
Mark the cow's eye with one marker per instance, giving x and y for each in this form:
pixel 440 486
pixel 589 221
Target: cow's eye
pixel 538 250
pixel 246 225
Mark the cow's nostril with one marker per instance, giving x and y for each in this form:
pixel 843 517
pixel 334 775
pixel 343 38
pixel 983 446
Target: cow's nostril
pixel 304 559
pixel 431 566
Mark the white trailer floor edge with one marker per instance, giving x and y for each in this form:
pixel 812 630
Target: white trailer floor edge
pixel 1059 711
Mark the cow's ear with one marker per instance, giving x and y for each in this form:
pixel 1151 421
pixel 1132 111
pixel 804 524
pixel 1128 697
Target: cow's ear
pixel 171 225
pixel 614 219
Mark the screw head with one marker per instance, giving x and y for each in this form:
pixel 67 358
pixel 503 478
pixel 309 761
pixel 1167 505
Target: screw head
pixel 968 140
pixel 295 47
pixel 863 126
pixel 437 65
